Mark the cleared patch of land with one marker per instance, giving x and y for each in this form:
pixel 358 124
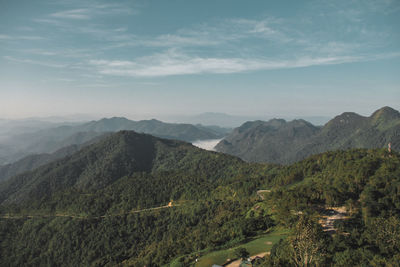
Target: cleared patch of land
pixel 335 213
pixel 260 245
pixel 236 263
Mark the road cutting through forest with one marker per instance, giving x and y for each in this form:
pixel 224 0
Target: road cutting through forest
pixel 8 216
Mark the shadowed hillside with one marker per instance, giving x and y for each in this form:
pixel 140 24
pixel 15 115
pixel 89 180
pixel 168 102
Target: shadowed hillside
pixel 278 141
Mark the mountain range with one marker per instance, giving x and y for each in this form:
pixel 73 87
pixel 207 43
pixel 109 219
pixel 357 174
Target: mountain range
pixel 51 139
pixel 232 121
pixel 279 141
pixel 106 204
pixel 122 154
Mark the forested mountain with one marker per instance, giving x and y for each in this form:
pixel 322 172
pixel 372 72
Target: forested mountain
pixel 231 121
pixel 363 182
pixel 33 161
pixel 105 205
pixel 278 141
pixel 179 131
pixel 120 155
pixel 271 141
pixel 52 139
pixel 124 172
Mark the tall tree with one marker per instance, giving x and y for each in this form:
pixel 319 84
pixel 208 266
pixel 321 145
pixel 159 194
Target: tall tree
pixel 307 243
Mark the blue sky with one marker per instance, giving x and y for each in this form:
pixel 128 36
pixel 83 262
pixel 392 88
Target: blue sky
pixel 144 59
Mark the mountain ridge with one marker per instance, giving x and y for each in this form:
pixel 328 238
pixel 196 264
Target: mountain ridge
pixel 52 139
pixel 97 165
pixel 295 140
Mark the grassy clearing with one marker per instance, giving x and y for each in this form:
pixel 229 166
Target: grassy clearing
pixel 256 246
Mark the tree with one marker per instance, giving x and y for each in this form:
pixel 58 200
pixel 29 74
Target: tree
pixel 385 234
pixel 242 253
pixel 307 242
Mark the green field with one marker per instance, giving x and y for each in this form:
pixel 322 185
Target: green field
pixel 256 246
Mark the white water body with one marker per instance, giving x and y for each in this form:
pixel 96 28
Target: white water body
pixel 207 144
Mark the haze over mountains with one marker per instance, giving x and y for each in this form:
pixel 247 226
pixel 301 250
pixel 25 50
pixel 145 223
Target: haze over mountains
pixel 279 141
pixel 228 120
pixel 48 140
pixel 199 133
pixel 274 141
pixel 36 160
pixel 101 199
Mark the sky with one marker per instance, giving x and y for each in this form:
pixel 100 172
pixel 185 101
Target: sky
pixel 142 59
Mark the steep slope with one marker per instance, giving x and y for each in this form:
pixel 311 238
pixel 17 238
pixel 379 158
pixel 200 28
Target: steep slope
pixel 106 223
pixel 283 142
pixel 105 194
pixel 351 130
pixel 120 155
pixel 270 141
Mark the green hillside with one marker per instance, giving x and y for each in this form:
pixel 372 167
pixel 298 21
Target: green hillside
pixel 106 205
pixel 278 141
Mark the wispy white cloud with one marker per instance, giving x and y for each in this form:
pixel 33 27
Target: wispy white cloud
pixel 266 28
pixel 86 12
pixel 35 62
pixel 82 13
pixel 331 47
pixel 172 63
pixel 176 40
pixel 4 37
pixel 39 52
pixel 20 37
pixel 48 21
pixel 219 46
pixel 205 35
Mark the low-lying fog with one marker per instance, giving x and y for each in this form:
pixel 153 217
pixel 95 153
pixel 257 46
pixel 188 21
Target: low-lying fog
pixel 207 144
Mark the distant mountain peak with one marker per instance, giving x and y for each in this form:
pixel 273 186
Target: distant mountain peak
pixel 344 119
pixel 349 115
pixel 114 119
pixel 386 113
pixel 279 141
pixel 274 120
pixel 154 121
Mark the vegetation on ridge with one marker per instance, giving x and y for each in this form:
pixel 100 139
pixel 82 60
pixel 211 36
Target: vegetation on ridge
pixel 215 206
pixel 278 141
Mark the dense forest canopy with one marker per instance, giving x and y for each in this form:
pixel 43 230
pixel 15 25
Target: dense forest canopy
pixel 106 205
